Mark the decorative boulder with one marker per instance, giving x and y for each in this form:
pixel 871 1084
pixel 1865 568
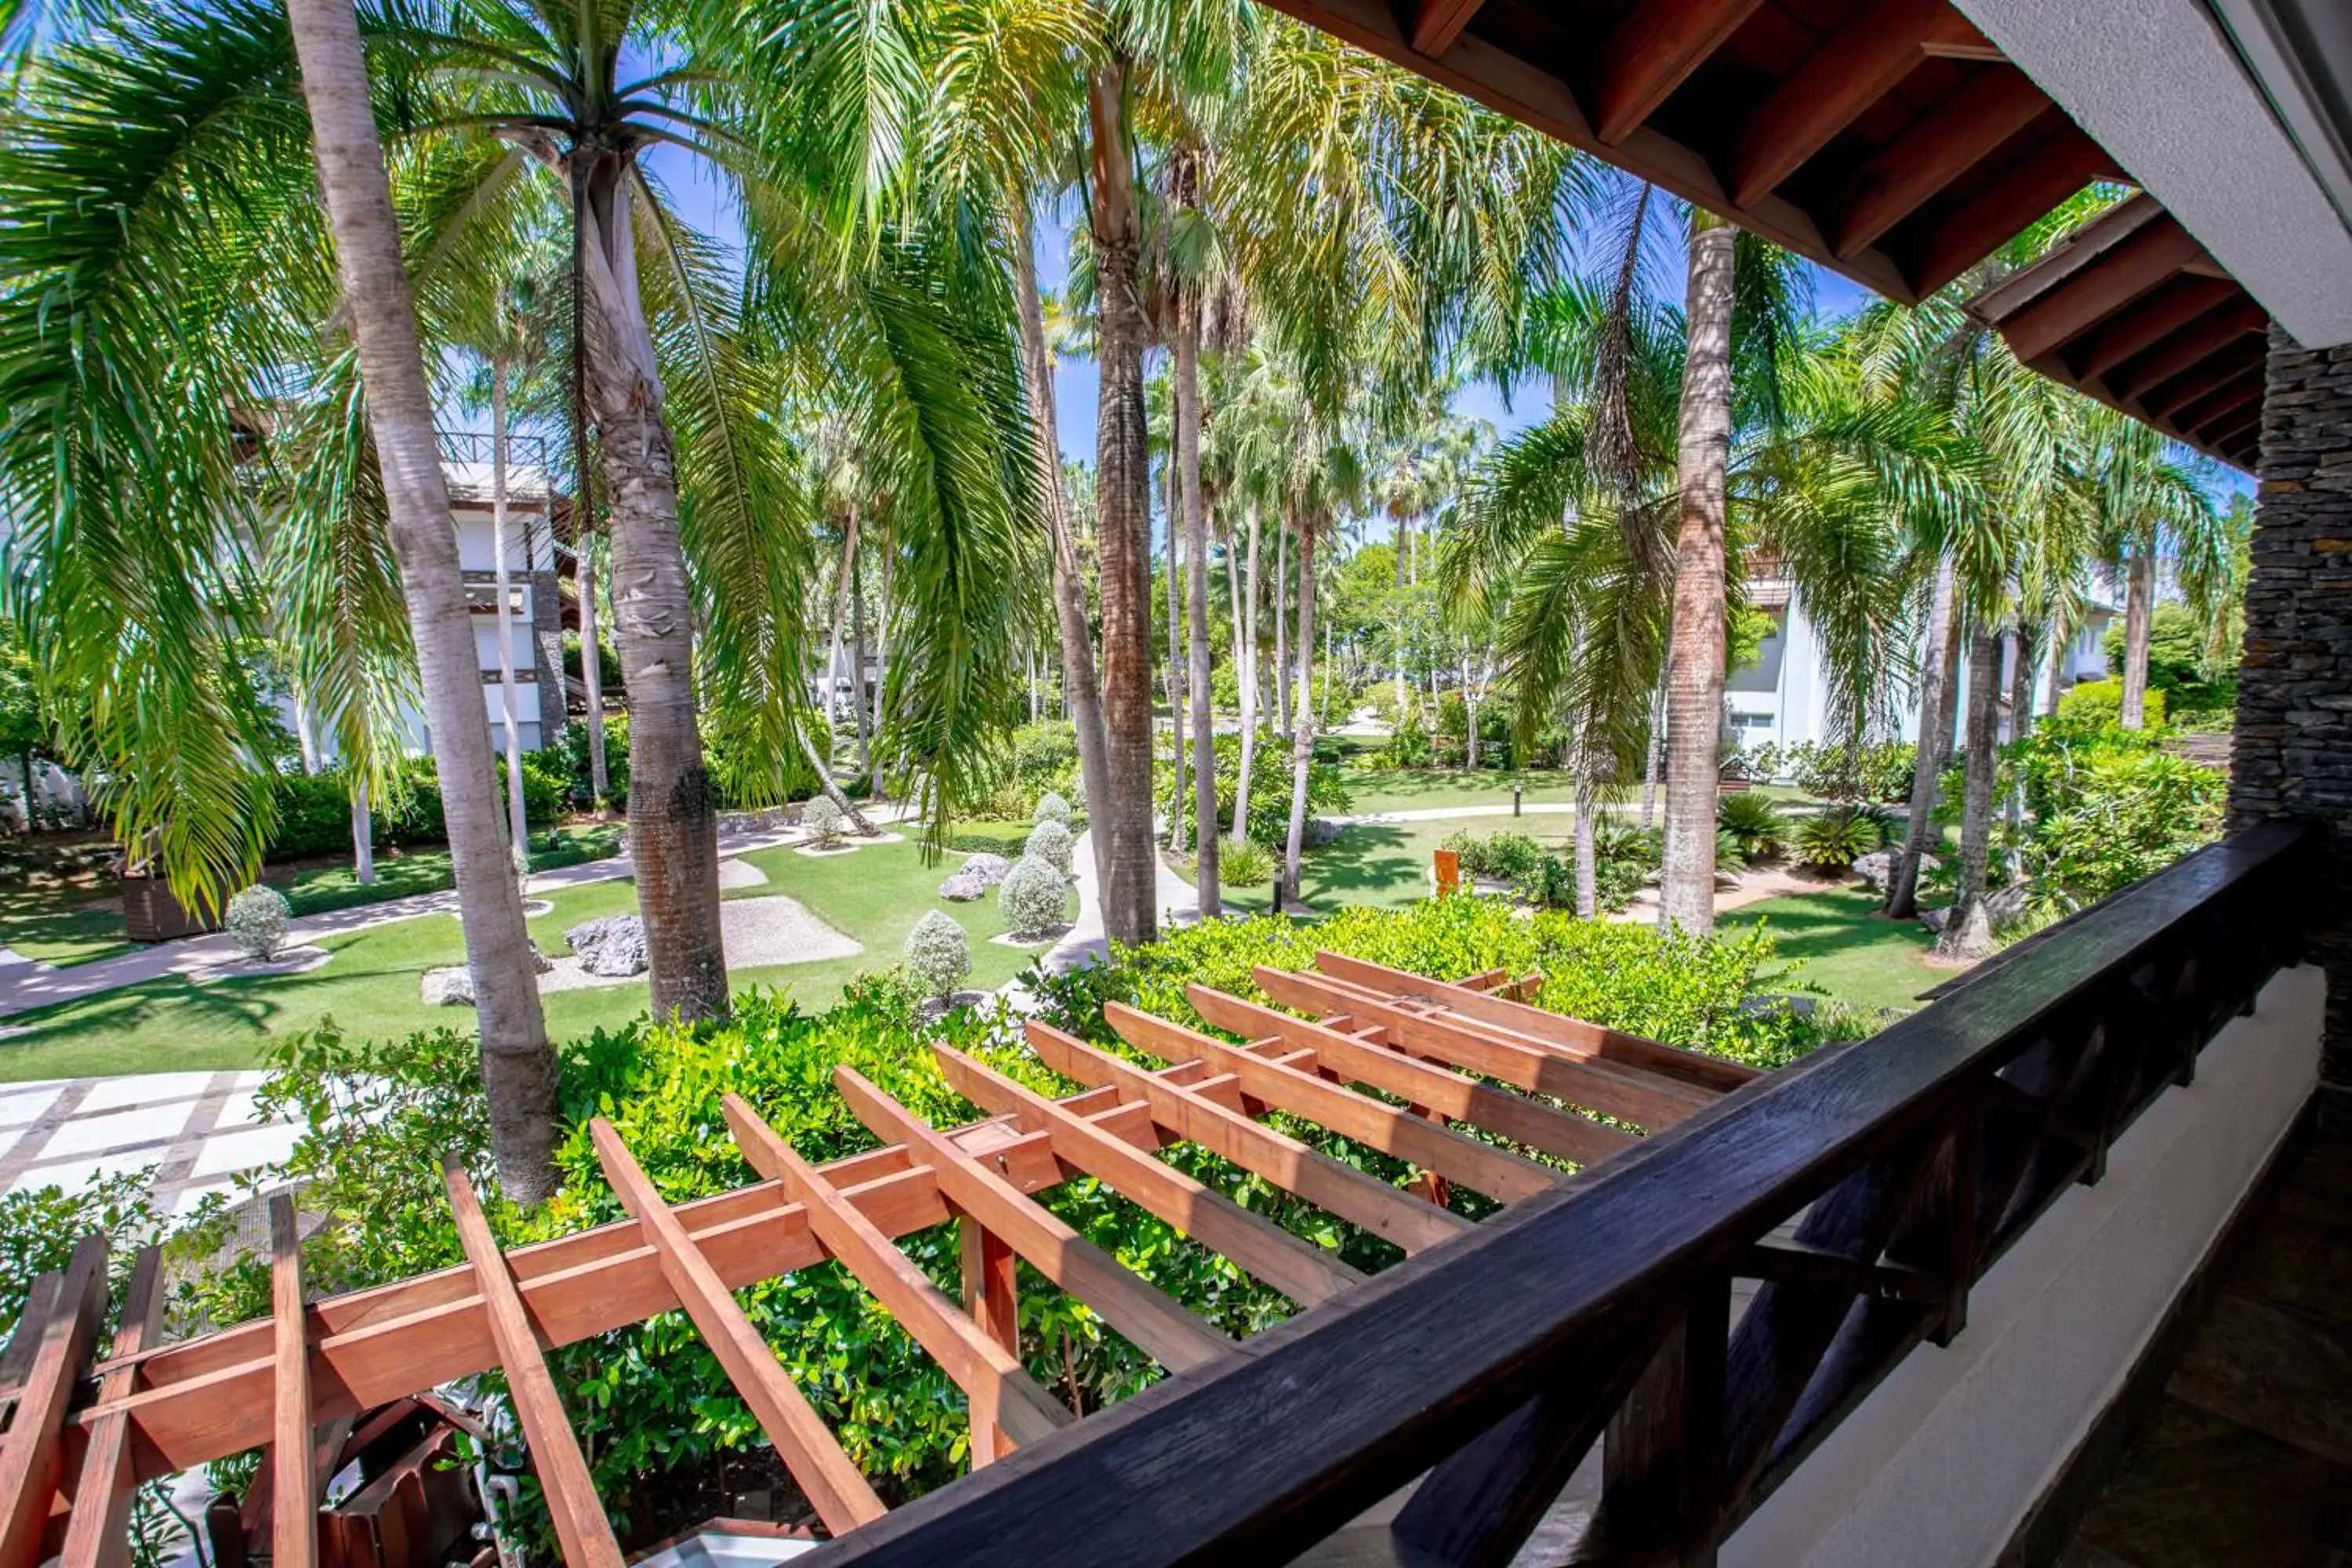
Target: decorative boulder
pixel 612 947
pixel 2004 907
pixel 1319 833
pixel 1877 866
pixel 448 988
pixel 540 963
pixel 964 887
pixel 990 868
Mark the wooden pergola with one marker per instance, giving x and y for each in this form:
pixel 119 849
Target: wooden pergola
pixel 1492 1093
pixel 1889 140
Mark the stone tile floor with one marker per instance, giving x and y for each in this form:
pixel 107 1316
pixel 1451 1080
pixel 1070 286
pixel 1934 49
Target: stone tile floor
pixel 2246 1458
pixel 196 1132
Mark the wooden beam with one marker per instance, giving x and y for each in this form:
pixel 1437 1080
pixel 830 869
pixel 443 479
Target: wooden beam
pixel 1301 1270
pixel 1958 240
pixel 2147 324
pixel 2202 414
pixel 99 1534
pixel 991 1299
pixel 1449 1093
pixel 33 1454
pixel 293 1478
pixel 1579 1037
pixel 581 1527
pixel 2139 264
pixel 1003 1396
pixel 1496 1052
pixel 1159 1326
pixel 1309 1173
pixel 2192 345
pixel 2215 370
pixel 1652 52
pixel 1437 22
pixel 1853 67
pixel 1993 106
pixel 840 1494
pixel 1484 1167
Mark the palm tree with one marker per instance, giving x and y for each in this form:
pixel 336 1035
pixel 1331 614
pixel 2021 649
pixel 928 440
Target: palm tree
pixel 2149 505
pixel 517 1068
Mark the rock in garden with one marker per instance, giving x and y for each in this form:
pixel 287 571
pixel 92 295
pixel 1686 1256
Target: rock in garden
pixel 1879 864
pixel 990 868
pixel 2006 907
pixel 540 963
pixel 612 947
pixel 963 887
pixel 1936 919
pixel 1320 832
pixel 448 988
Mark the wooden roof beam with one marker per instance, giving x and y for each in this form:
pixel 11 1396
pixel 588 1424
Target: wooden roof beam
pixel 1306 1273
pixel 2144 325
pixel 1002 1396
pixel 1308 1173
pixel 2216 369
pixel 2203 413
pixel 2193 346
pixel 1652 52
pixel 1161 1327
pixel 1995 105
pixel 2130 271
pixel 1498 1173
pixel 841 1495
pixel 1436 24
pixel 1959 239
pixel 1853 67
pixel 1523 1120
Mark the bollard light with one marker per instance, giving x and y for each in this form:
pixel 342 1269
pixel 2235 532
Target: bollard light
pixel 1515 800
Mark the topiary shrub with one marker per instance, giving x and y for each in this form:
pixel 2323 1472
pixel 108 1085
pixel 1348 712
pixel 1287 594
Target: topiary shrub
pixel 1244 863
pixel 938 954
pixel 1050 841
pixel 1505 856
pixel 1033 896
pixel 823 819
pixel 1052 807
pixel 256 922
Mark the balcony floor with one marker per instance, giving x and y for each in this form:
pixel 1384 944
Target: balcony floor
pixel 2246 1457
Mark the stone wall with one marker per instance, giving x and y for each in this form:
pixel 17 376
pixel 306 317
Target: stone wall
pixel 2294 751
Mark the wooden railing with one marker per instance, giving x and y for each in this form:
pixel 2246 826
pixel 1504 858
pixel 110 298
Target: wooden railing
pixel 1866 1189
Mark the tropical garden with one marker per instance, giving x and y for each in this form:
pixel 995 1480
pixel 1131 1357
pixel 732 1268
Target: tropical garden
pixel 785 295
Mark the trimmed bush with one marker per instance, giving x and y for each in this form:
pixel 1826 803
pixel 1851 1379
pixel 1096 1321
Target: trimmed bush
pixel 938 954
pixel 1506 856
pixel 1033 897
pixel 1052 807
pixel 314 816
pixel 256 922
pixel 824 820
pixel 1050 841
pixel 1244 863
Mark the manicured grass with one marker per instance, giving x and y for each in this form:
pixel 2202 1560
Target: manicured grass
pixel 62 924
pixel 1384 864
pixel 370 988
pixel 325 888
pixel 1373 790
pixel 1846 948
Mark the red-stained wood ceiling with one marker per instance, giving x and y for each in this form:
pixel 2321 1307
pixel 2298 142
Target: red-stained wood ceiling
pixel 1888 140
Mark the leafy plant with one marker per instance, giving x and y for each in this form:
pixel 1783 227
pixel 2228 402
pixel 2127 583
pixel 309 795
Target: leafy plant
pixel 1050 841
pixel 1035 896
pixel 1756 824
pixel 1269 819
pixel 1409 745
pixel 1244 863
pixel 823 820
pixel 256 922
pixel 938 954
pixel 1834 839
pixel 1505 856
pixel 1052 807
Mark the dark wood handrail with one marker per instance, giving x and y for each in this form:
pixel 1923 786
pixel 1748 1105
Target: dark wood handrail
pixel 1490 1365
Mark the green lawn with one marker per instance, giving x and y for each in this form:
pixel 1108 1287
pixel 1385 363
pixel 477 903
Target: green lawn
pixel 1846 948
pixel 1372 790
pixel 60 923
pixel 1384 865
pixel 325 888
pixel 874 896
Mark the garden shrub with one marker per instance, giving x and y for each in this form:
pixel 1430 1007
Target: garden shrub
pixel 1626 860
pixel 1494 731
pixel 574 746
pixel 256 922
pixel 1755 822
pixel 1052 807
pixel 414 815
pixel 1549 882
pixel 1034 897
pixel 1832 840
pixel 1050 841
pixel 1269 806
pixel 2108 807
pixel 2095 708
pixel 1409 745
pixel 1244 863
pixel 938 954
pixel 1504 857
pixel 823 821
pixel 314 816
pixel 1881 770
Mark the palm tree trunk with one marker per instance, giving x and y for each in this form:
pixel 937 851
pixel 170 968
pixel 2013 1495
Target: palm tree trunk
pixel 1650 766
pixel 1248 685
pixel 362 835
pixel 592 654
pixel 1968 933
pixel 873 790
pixel 1081 695
pixel 1123 526
pixel 673 815
pixel 844 590
pixel 1282 630
pixel 1196 533
pixel 2025 646
pixel 517 1068
pixel 1302 738
pixel 305 732
pixel 518 826
pixel 1469 712
pixel 2139 614
pixel 1178 675
pixel 2062 635
pixel 857 680
pixel 1695 692
pixel 1903 873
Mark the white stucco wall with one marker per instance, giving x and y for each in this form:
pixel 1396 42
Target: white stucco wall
pixel 1941 1463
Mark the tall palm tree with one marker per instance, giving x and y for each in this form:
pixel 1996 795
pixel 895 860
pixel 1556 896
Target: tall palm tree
pixel 2149 507
pixel 517 1068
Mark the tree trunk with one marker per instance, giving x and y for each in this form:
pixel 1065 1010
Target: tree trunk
pixel 2062 637
pixel 844 590
pixel 1249 692
pixel 857 680
pixel 2139 614
pixel 305 732
pixel 517 1068
pixel 1081 695
pixel 32 792
pixel 1302 740
pixel 873 790
pixel 362 833
pixel 1469 713
pixel 592 653
pixel 1695 693
pixel 2026 645
pixel 1903 872
pixel 1123 523
pixel 1196 533
pixel 1656 749
pixel 1178 675
pixel 518 823
pixel 1282 630
pixel 1967 934
pixel 673 818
